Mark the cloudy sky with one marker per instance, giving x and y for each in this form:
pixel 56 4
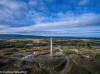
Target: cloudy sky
pixel 78 18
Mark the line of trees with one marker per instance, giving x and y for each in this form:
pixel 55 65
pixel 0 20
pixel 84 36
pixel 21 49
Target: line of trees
pixel 17 44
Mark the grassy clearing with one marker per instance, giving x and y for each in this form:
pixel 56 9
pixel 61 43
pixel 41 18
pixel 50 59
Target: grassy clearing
pixel 11 51
pixel 82 70
pixel 97 55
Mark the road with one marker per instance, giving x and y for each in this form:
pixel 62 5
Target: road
pixel 30 56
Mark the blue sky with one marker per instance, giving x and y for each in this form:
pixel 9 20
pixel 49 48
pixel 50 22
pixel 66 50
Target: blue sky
pixel 79 18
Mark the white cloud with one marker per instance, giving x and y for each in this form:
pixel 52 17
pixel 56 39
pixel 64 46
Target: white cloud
pixel 3 26
pixel 68 14
pixel 36 16
pixel 83 2
pixel 12 4
pixel 82 20
pixel 32 2
pixel 11 9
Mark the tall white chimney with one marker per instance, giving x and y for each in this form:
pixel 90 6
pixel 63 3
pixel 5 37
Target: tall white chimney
pixel 51 46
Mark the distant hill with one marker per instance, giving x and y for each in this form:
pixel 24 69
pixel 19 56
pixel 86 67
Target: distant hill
pixel 9 36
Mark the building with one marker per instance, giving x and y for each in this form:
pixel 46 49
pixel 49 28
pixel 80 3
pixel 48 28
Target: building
pixel 29 44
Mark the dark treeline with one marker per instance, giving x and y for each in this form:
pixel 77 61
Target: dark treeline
pixel 23 44
pixel 19 44
pixel 75 43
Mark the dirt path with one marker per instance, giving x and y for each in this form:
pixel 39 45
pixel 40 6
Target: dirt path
pixel 67 58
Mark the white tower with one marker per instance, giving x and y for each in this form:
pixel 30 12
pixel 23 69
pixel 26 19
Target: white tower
pixel 51 46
